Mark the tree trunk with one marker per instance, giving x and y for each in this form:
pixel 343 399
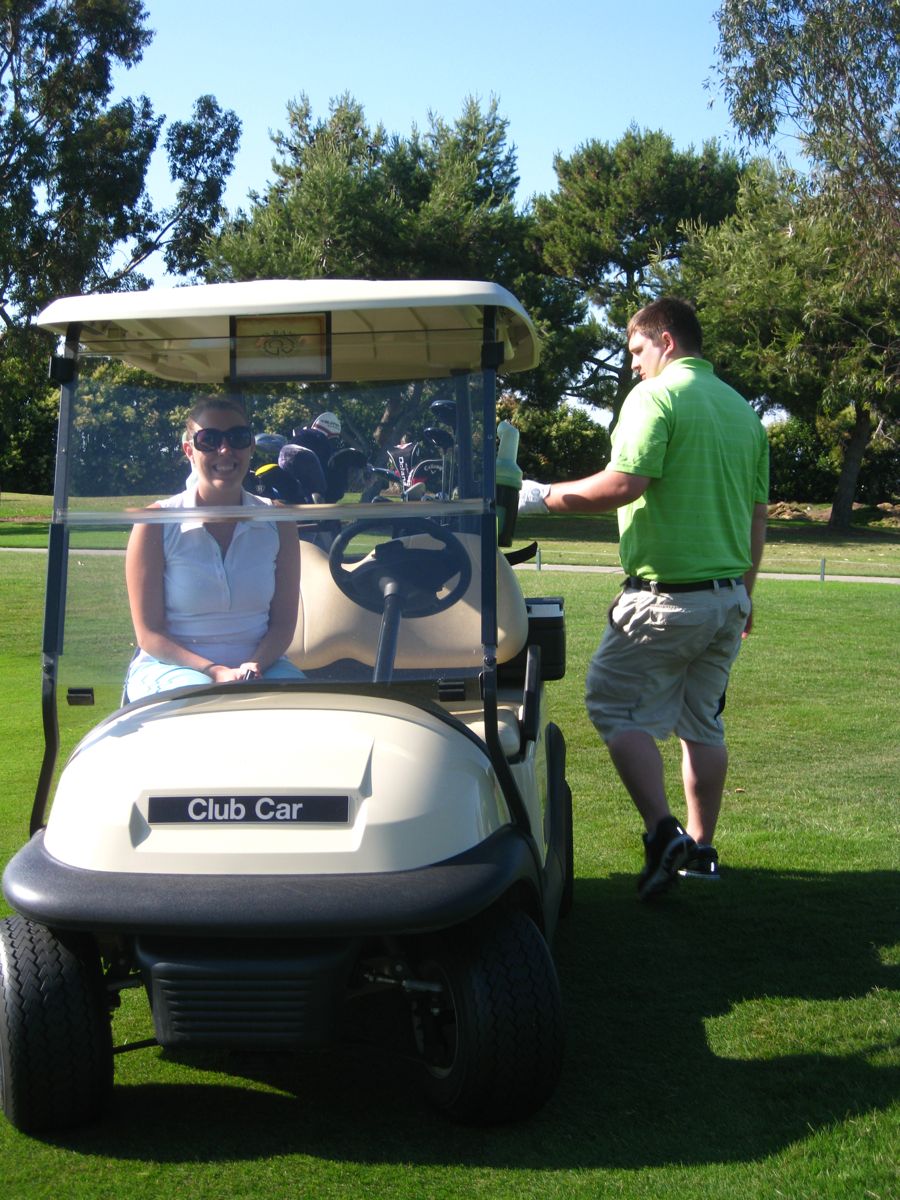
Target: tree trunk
pixel 394 415
pixel 842 505
pixel 624 384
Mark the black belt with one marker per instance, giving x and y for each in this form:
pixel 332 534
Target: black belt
pixel 702 585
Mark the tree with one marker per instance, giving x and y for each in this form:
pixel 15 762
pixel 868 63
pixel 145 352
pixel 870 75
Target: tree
pixel 556 444
pixel 350 201
pixel 792 323
pixel 28 413
pixel 617 209
pixel 806 461
pixel 800 464
pixel 829 72
pixel 76 216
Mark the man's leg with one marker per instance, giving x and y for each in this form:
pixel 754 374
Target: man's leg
pixel 704 758
pixel 638 761
pixel 635 688
pixel 667 846
pixel 703 771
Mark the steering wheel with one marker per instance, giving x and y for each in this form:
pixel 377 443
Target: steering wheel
pixel 415 574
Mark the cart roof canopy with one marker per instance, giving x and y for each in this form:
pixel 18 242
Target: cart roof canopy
pixel 350 329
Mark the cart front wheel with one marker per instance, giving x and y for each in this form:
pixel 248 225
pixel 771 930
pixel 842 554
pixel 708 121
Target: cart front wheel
pixel 491 1037
pixel 56 1059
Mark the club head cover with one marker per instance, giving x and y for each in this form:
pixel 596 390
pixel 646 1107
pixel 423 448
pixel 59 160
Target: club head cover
pixel 303 466
pixel 314 439
pixel 337 473
pixel 275 483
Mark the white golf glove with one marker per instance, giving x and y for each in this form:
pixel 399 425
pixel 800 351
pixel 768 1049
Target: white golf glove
pixel 532 497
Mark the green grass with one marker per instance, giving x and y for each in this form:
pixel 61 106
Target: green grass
pixel 793 547
pixel 737 1042
pixel 871 548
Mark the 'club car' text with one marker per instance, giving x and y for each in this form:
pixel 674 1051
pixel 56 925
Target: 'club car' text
pixel 263 808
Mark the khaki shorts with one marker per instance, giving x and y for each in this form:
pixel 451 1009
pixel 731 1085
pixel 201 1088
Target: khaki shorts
pixel 663 663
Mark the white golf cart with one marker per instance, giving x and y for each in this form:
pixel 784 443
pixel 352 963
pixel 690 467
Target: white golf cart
pixel 379 850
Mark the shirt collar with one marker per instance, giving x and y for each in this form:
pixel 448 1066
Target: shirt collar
pixel 190 502
pixel 694 361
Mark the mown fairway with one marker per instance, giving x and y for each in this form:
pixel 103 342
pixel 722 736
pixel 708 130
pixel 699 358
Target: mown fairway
pixel 735 1041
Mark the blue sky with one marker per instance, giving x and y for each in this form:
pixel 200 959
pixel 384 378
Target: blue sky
pixel 562 73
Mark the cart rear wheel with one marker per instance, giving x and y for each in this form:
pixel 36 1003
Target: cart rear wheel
pixel 56 1061
pixel 492 1039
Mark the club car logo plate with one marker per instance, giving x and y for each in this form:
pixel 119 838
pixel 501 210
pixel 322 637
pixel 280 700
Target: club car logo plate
pixel 248 810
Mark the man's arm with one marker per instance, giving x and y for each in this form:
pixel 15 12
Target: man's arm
pixel 757 545
pixel 597 493
pixel 757 542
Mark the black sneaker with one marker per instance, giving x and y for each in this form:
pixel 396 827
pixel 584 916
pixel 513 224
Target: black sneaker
pixel 666 852
pixel 702 864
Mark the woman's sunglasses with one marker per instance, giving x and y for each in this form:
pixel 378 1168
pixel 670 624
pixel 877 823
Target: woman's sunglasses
pixel 239 437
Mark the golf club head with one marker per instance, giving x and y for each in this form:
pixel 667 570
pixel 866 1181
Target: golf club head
pixel 440 439
pixel 444 411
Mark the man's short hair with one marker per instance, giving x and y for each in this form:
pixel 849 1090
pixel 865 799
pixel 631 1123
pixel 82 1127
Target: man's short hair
pixel 669 315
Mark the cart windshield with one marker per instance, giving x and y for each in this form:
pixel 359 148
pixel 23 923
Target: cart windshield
pixel 386 483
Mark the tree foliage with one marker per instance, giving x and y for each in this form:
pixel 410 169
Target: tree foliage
pixel 806 461
pixel 76 216
pixel 618 209
pixel 789 320
pixel 350 201
pixel 28 413
pixel 72 165
pixel 829 72
pixel 801 464
pixel 563 443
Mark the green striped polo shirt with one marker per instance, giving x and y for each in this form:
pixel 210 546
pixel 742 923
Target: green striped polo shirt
pixel 707 456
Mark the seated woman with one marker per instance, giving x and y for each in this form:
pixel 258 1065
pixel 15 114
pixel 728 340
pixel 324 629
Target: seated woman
pixel 212 600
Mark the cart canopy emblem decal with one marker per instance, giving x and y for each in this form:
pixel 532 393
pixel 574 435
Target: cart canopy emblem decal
pixel 248 810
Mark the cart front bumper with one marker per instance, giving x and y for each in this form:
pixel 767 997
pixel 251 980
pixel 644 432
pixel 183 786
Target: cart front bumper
pixel 45 890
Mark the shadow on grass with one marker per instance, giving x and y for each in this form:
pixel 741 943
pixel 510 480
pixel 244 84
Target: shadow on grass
pixel 641 1087
pixel 29 535
pixel 819 533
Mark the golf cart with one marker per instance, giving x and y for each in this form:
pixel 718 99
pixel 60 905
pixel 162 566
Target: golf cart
pixel 378 851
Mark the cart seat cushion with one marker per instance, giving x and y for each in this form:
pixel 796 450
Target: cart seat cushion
pixel 331 627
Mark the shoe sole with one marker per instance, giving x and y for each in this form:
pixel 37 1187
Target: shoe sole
pixel 676 854
pixel 708 876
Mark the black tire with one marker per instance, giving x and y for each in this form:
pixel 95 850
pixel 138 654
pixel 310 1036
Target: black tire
pixel 492 1041
pixel 56 1059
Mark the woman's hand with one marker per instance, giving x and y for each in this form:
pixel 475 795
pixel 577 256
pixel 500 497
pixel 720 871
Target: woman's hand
pixel 247 670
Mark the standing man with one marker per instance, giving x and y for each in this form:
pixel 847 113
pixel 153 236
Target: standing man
pixel 689 475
